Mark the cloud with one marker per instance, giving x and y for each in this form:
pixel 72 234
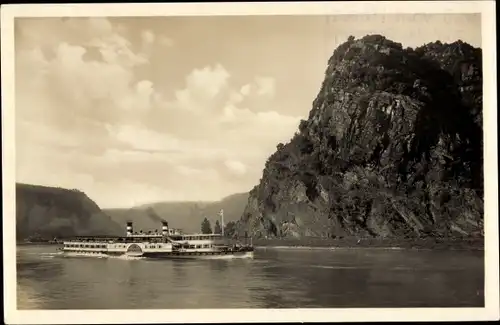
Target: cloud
pixel 166 41
pixel 142 139
pixel 148 37
pixel 245 90
pixel 90 107
pixel 266 86
pixel 72 88
pixel 100 26
pixel 206 83
pixel 140 97
pixel 235 98
pixel 236 167
pixel 116 49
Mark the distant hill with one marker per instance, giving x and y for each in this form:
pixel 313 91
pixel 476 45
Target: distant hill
pixel 47 212
pixel 184 215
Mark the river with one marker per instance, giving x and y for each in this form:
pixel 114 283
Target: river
pixel 275 278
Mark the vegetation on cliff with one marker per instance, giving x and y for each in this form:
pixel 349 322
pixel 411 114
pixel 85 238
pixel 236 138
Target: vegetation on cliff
pixel 47 212
pixel 392 148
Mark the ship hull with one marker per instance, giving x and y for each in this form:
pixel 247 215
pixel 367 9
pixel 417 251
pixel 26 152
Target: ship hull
pixel 165 255
pixel 200 255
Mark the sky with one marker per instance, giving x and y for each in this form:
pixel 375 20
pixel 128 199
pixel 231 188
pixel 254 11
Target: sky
pixel 148 109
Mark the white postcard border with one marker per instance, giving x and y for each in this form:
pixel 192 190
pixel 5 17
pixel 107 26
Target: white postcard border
pixel 491 310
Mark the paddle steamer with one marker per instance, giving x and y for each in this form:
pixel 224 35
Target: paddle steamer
pixel 170 243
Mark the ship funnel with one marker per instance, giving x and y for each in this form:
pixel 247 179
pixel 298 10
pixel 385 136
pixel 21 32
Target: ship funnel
pixel 164 228
pixel 130 228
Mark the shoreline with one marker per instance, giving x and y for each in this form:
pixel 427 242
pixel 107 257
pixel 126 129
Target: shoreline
pixel 372 243
pixel 349 243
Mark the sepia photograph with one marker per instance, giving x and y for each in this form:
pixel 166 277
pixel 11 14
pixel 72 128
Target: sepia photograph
pixel 249 162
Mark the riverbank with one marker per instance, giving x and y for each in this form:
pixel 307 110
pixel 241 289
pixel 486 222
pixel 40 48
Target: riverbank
pixel 37 243
pixel 404 243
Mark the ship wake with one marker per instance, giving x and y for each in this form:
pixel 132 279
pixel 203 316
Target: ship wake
pixel 119 257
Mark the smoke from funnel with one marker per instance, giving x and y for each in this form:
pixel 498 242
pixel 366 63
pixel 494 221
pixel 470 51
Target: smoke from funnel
pixel 154 216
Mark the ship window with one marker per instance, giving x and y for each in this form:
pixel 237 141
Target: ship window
pixel 191 246
pixel 198 246
pixel 205 246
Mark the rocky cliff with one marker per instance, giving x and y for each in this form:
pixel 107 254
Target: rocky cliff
pixel 392 148
pixel 48 212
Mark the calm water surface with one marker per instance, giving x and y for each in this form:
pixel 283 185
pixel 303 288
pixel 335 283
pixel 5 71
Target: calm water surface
pixel 275 278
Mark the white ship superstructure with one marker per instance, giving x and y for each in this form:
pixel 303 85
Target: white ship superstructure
pixel 170 243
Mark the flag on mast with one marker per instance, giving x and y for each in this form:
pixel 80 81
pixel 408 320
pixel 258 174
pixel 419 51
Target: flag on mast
pixel 221 213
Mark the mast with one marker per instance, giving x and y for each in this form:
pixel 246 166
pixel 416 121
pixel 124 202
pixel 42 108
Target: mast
pixel 222 221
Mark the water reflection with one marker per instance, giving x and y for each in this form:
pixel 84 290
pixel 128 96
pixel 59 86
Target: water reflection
pixel 274 279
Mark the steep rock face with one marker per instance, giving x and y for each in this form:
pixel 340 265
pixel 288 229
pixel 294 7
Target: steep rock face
pixel 49 212
pixel 392 148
